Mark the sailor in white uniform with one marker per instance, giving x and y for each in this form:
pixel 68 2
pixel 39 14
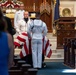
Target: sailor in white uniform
pixel 22 28
pixel 36 31
pixel 19 15
pixel 23 24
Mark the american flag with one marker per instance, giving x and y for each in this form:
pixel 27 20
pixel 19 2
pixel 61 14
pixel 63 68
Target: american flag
pixel 26 48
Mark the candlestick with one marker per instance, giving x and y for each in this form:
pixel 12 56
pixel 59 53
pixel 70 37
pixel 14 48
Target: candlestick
pixel 34 6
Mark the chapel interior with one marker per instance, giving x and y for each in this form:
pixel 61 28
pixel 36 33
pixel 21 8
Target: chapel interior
pixel 61 33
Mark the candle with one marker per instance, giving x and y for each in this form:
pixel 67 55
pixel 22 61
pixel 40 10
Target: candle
pixel 34 6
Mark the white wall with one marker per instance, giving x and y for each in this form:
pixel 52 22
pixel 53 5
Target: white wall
pixel 68 4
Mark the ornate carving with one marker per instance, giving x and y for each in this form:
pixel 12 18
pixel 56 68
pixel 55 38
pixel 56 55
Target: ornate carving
pixel 45 7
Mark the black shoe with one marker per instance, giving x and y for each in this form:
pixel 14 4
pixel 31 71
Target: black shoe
pixel 43 65
pixel 38 68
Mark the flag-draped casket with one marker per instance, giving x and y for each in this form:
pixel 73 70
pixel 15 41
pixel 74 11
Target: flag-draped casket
pixel 26 45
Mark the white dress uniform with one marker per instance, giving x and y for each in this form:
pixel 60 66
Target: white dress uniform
pixel 19 15
pixel 22 26
pixel 39 30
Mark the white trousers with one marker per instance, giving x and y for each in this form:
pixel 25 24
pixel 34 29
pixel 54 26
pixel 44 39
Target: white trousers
pixel 37 53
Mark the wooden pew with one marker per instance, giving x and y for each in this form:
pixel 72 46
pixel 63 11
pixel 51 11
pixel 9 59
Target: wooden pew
pixel 32 71
pixel 14 68
pixel 67 46
pixel 25 68
pixel 20 63
pixel 69 51
pixel 15 72
pixel 72 54
pixel 16 59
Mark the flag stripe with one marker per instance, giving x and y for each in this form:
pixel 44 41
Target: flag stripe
pixel 23 51
pixel 21 39
pixel 26 49
pixel 49 54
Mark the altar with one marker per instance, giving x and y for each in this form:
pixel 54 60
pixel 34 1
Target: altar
pixel 11 6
